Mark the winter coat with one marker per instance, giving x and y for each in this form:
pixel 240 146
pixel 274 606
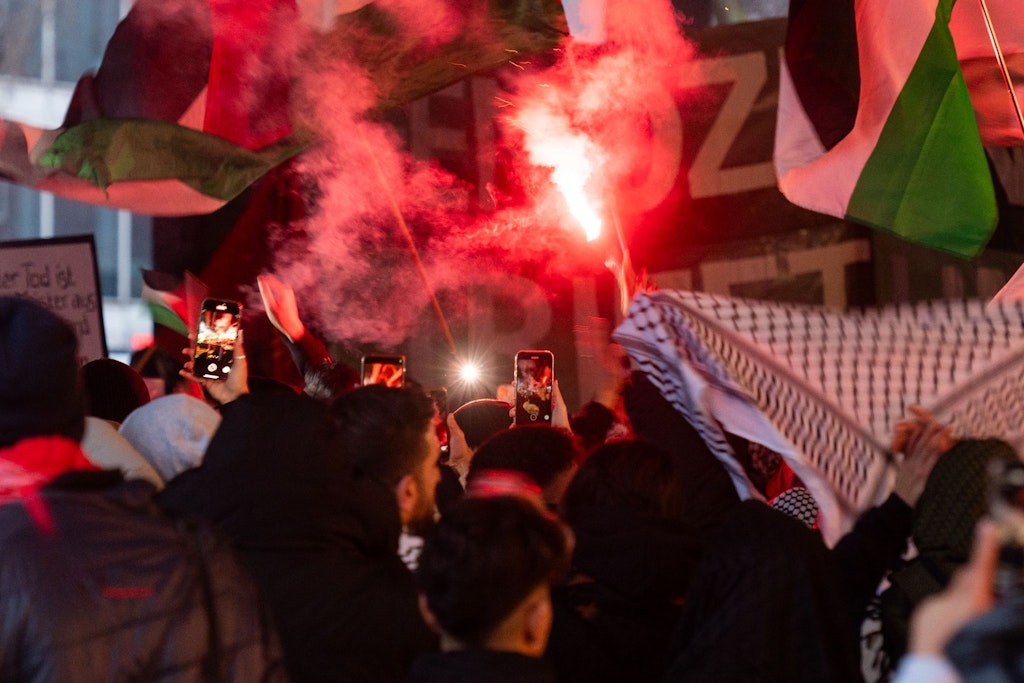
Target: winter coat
pixel 96 584
pixel 478 666
pixel 322 543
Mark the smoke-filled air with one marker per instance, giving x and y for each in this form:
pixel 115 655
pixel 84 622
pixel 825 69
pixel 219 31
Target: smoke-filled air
pixel 574 131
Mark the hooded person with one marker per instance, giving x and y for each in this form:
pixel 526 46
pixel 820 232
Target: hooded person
pixel 108 449
pixel 95 583
pixel 171 432
pixel 710 493
pixel 41 394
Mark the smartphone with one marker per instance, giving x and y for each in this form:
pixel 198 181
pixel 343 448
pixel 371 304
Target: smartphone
pixel 216 335
pixel 440 398
pixel 388 370
pixel 1006 508
pixel 534 383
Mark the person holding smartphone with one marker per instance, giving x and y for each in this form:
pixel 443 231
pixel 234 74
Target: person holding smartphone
pixel 88 563
pixel 316 507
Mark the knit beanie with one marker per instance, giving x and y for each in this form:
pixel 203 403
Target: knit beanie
pixel 171 432
pixel 113 389
pixel 40 391
pixel 481 419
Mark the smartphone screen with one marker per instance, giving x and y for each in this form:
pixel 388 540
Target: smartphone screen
pixel 386 370
pixel 216 335
pixel 534 377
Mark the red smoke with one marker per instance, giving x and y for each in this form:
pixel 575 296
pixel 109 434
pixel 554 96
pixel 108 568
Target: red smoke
pixel 353 269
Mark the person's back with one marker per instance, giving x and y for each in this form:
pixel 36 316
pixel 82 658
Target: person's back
pixel 321 539
pixel 633 559
pixel 766 603
pixel 99 586
pixel 96 584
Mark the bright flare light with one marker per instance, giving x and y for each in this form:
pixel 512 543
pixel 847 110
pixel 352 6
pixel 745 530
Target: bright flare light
pixel 469 372
pixel 552 142
pixel 572 183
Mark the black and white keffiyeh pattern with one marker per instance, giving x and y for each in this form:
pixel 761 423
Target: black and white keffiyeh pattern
pixel 824 388
pixel 799 504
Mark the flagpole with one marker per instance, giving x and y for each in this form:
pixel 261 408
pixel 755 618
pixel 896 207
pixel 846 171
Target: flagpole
pixel 626 276
pixel 1002 63
pixel 421 269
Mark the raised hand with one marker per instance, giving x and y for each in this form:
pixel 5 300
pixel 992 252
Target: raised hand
pixel 922 439
pixel 282 309
pixel 233 385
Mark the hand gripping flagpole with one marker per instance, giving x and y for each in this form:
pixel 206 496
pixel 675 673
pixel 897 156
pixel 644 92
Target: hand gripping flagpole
pixel 1003 69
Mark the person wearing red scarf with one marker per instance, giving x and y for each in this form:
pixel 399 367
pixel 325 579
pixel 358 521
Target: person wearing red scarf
pixel 96 584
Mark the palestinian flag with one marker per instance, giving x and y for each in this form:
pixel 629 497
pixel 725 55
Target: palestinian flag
pixel 193 99
pixel 174 302
pixel 177 120
pixel 875 123
pixel 405 65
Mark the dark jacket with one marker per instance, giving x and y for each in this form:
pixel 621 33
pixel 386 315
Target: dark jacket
pixel 612 622
pixel 97 585
pixel 767 603
pixel 480 666
pixel 321 542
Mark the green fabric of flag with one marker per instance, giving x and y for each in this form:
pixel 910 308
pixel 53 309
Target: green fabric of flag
pixel 106 151
pixel 913 162
pixel 102 148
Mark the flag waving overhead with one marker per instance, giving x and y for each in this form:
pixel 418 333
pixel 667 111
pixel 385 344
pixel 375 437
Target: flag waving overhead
pixel 902 151
pixel 823 388
pixel 194 99
pixel 188 107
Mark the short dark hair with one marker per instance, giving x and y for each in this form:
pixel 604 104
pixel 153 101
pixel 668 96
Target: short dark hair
pixel 328 380
pixel 113 389
pixel 381 429
pixel 541 452
pixel 482 418
pixel 626 475
pixel 592 423
pixel 484 557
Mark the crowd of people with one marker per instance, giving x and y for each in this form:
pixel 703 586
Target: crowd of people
pixel 238 529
